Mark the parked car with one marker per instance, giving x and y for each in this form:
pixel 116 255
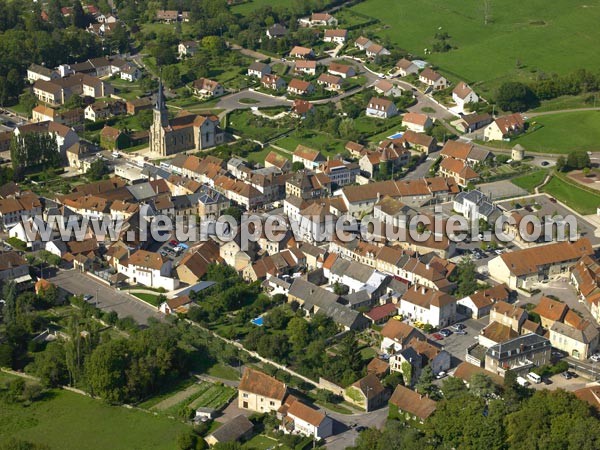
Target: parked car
pixel 498 252
pixel 567 375
pixel 595 357
pixel 445 332
pixel 437 336
pixel 88 297
pixel 440 375
pixel 461 332
pixel 460 326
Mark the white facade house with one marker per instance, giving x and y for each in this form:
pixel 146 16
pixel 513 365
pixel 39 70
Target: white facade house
pixel 150 269
pixel 430 306
pixel 303 419
pixel 462 94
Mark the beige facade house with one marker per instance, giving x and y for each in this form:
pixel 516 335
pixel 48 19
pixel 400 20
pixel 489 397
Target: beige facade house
pixel 504 127
pixel 550 311
pixel 259 392
pixel 579 342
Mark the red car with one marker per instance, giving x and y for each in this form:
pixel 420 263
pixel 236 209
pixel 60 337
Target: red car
pixel 173 243
pixel 437 336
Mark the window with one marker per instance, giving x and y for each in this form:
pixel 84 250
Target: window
pixel 244 395
pixel 272 403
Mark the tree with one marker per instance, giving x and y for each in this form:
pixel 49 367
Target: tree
pixel 50 365
pixel 425 384
pixel 578 160
pixel 467 282
pixel 481 385
pixel 561 163
pixel 28 101
pixel 78 15
pixel 453 387
pixel 515 96
pixel 171 76
pixel 298 332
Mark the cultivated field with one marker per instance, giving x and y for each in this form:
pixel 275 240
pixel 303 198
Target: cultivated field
pixel 521 37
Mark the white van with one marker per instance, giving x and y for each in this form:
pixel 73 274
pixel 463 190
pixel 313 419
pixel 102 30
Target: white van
pixel 116 155
pixel 534 377
pixel 522 381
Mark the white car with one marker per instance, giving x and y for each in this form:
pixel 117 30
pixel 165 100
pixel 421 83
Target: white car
pixel 595 357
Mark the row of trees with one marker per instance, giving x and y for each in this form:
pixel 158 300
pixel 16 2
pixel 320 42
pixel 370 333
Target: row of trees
pixel 33 150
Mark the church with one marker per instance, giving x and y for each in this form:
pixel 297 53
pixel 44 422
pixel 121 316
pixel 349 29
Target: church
pixel 186 131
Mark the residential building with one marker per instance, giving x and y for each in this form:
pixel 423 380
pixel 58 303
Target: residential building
pixel 509 315
pixel 419 354
pixel 278 161
pixel 473 122
pixel 376 51
pixel 300 87
pixel 419 143
pixel 330 82
pixel 362 43
pixel 475 205
pixel 187 48
pixel 459 171
pixel 13 267
pixel 397 335
pixel 340 172
pixel 367 393
pixel 480 303
pixel 381 108
pixel 462 95
pixel 387 88
pixel 305 67
pixel 273 82
pixel 205 88
pixel 550 311
pixel 299 52
pixel 406 67
pixel 133 107
pixel 309 157
pixel 259 392
pixel 36 72
pixel 428 305
pixel 64 136
pixel 411 405
pixel 237 429
pixel 433 79
pixel 258 69
pixel 322 20
pixel 417 122
pixel 130 73
pixel 523 269
pixel 504 127
pixel 580 342
pixel 519 355
pixel 150 269
pixel 341 70
pixel 276 30
pixel 585 278
pixel 465 152
pixel 301 108
pixel 299 418
pixel 338 36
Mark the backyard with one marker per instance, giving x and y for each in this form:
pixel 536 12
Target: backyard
pixel 506 48
pixel 244 123
pixel 91 424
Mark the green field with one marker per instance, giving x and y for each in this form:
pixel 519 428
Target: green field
pixel 582 201
pixel 323 142
pixel 530 181
pixel 563 133
pixel 68 421
pixel 534 35
pixel 149 298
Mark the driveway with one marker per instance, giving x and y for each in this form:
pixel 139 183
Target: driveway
pixel 105 297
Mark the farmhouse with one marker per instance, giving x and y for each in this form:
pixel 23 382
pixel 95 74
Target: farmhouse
pixel 205 88
pixel 412 405
pixel 299 418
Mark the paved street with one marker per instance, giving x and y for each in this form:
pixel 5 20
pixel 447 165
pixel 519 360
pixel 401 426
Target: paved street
pixel 345 435
pixel 105 297
pixel 232 101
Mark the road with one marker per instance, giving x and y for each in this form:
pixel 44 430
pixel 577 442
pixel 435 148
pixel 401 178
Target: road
pixel 345 435
pixel 105 297
pixel 232 101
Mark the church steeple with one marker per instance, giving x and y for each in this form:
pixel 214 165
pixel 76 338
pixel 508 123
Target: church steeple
pixel 160 110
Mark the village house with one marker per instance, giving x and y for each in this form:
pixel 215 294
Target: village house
pixel 367 393
pixel 504 127
pixel 387 88
pixel 205 88
pixel 167 16
pixel 473 122
pixel 330 82
pixel 419 143
pixel 523 269
pixel 187 48
pixel 299 418
pixel 64 136
pixel 373 162
pixel 550 311
pixel 462 95
pixel 411 405
pixel 354 148
pixel 430 306
pixel 299 52
pixel 465 152
pixel 381 108
pixel 300 87
pixel 273 82
pixel 311 158
pixel 585 278
pixel 301 108
pixel 130 73
pixel 338 36
pixel 322 20
pixel 376 51
pixel 13 267
pixel 480 303
pixel 134 106
pixel 340 172
pixel 258 69
pixel 476 206
pixel 193 265
pixel 276 30
pixel 278 161
pixel 306 67
pixel 396 335
pixel 433 79
pixel 579 341
pixel 509 315
pixel 406 67
pixel 419 354
pixel 177 305
pixel 36 72
pixel 150 269
pixel 459 171
pixel 417 122
pixel 259 392
pixel 341 70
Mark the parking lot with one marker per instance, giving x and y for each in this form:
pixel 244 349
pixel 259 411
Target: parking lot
pixel 456 344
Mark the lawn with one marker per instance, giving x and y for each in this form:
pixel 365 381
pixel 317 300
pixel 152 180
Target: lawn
pixel 246 8
pixel 323 142
pixel 563 132
pixel 520 37
pixel 148 298
pixel 69 421
pixel 531 180
pixel 244 123
pixel 259 157
pixel 580 200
